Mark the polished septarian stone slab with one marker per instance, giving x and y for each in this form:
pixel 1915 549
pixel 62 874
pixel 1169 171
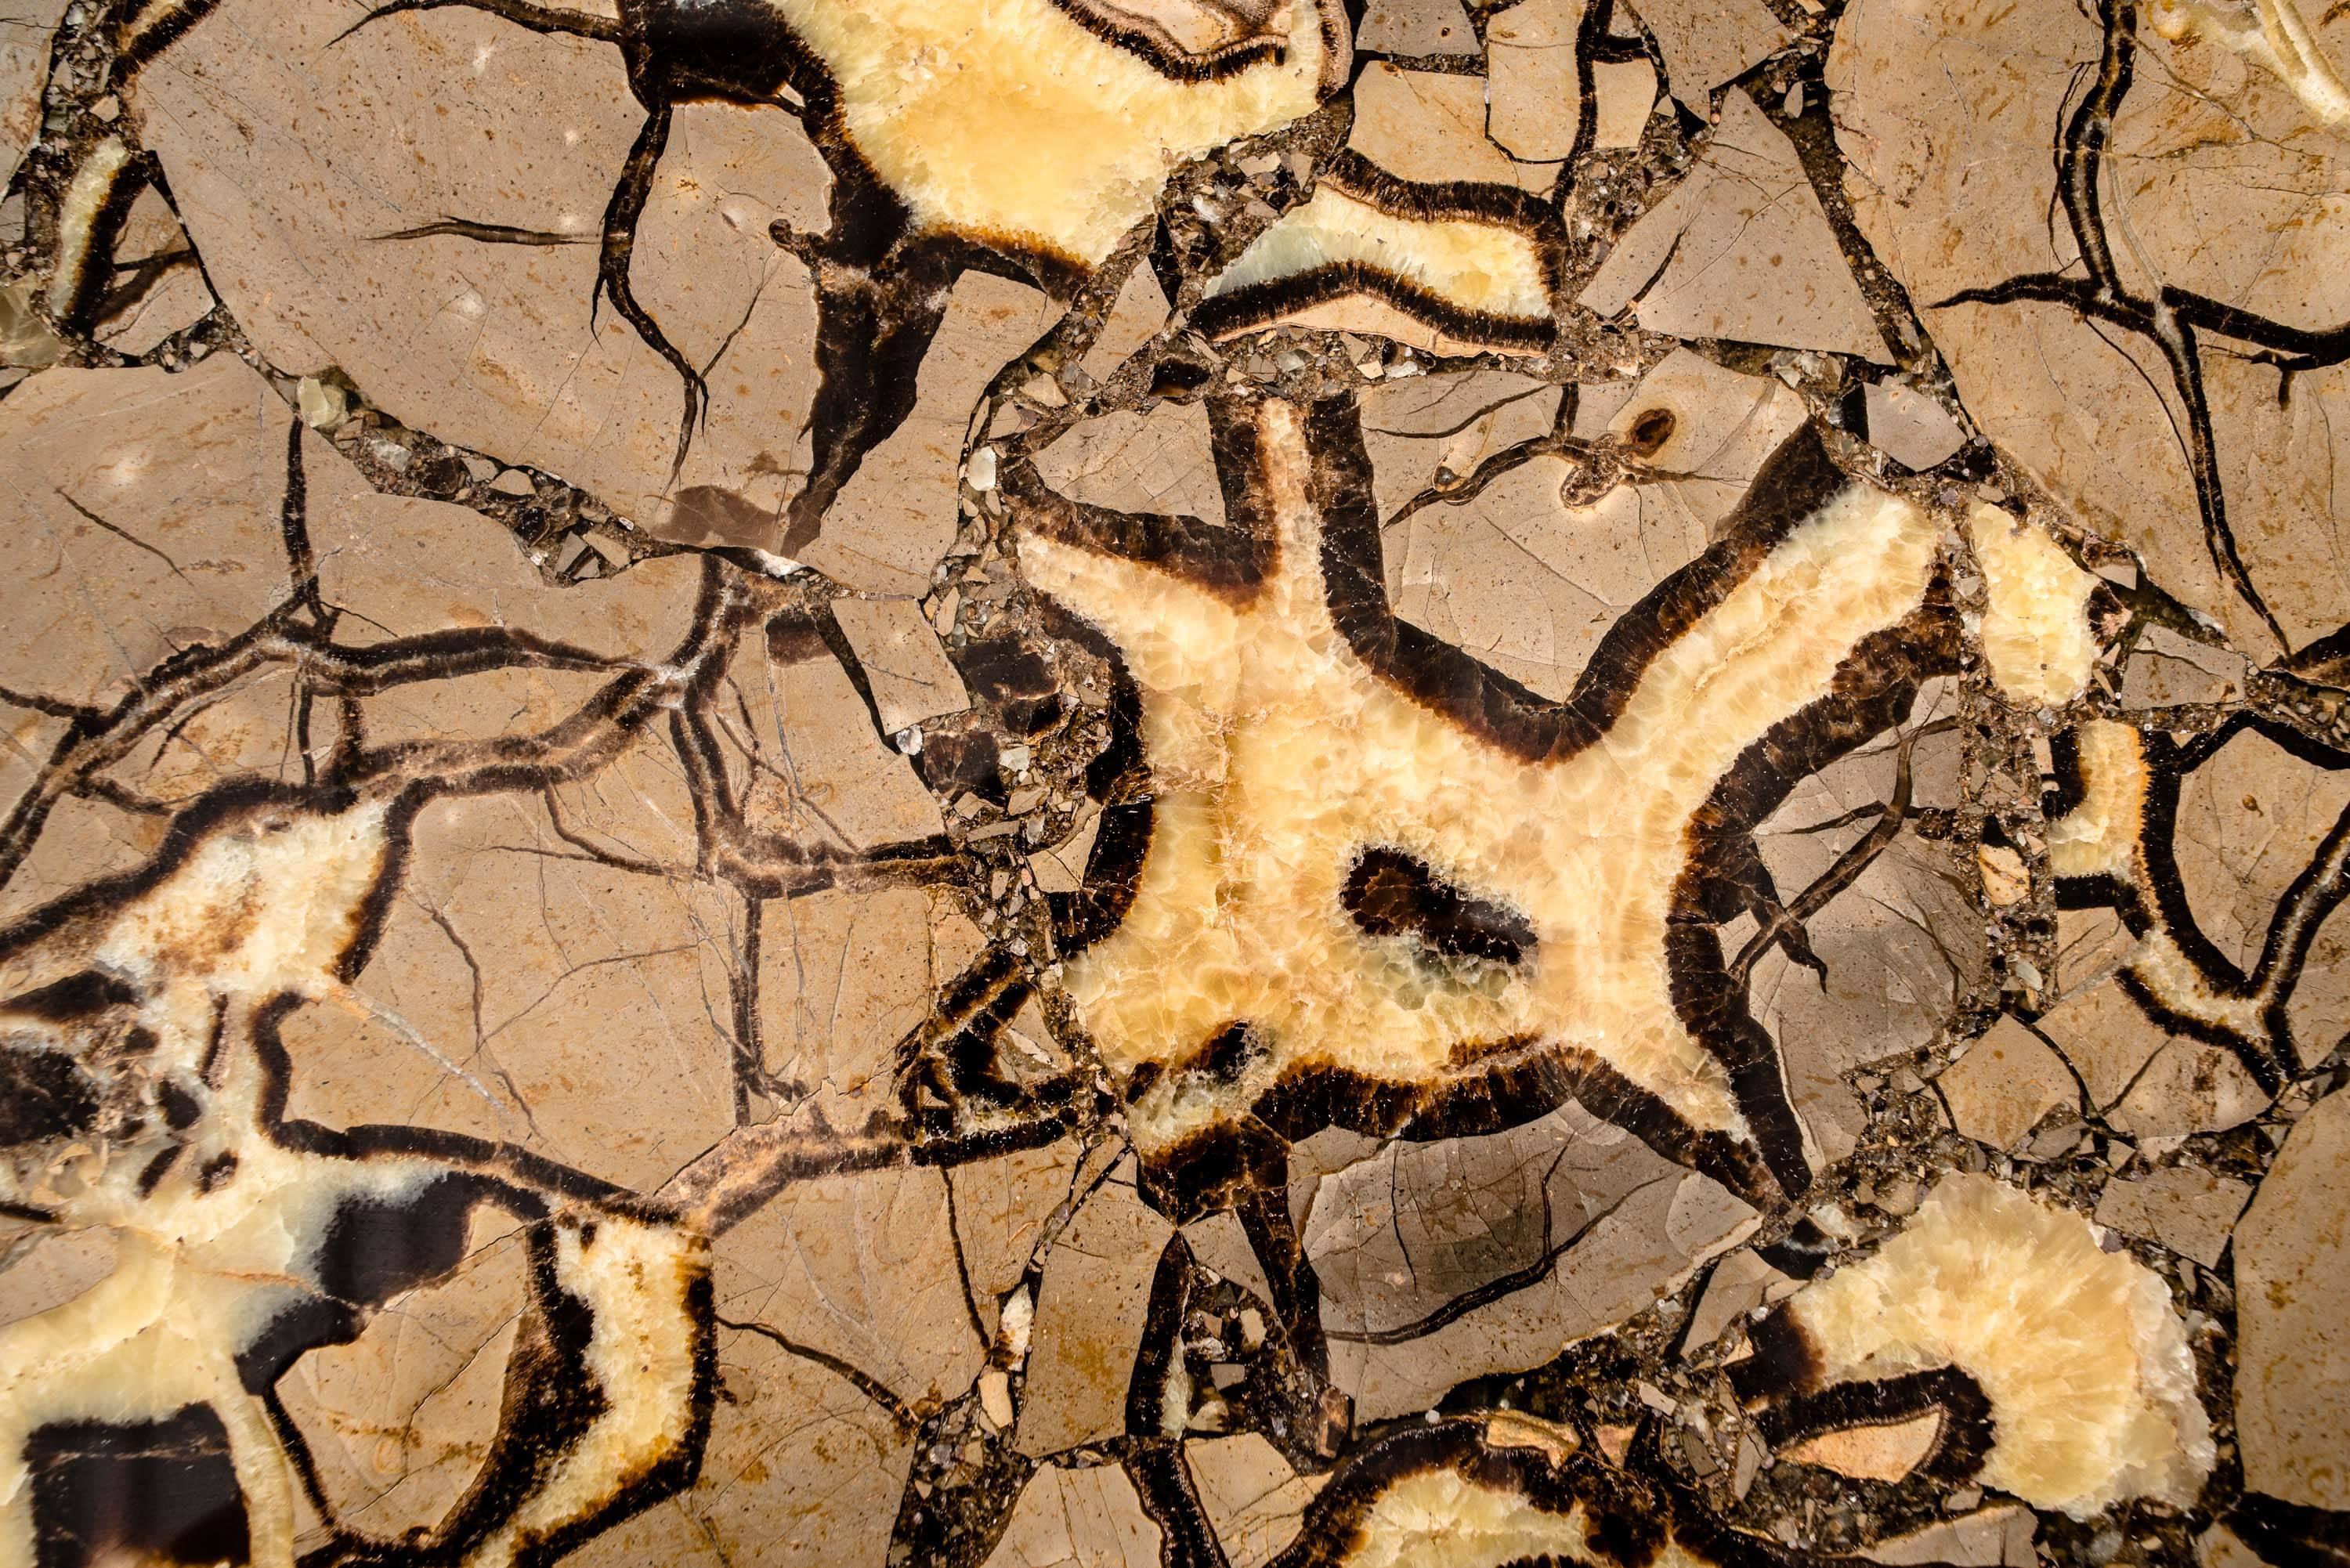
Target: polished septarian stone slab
pixel 1171 781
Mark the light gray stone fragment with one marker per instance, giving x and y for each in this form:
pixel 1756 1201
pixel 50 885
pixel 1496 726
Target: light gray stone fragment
pixel 1562 1227
pixel 1135 317
pixel 2165 669
pixel 2188 1210
pixel 42 1266
pixel 1254 1501
pixel 1430 126
pixel 25 27
pixel 1739 1283
pixel 1220 1242
pixel 1909 426
pixel 1625 93
pixel 2005 1083
pixel 299 151
pixel 1994 1538
pixel 1533 90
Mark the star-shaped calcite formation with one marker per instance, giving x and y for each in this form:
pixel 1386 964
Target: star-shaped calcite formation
pixel 1279 756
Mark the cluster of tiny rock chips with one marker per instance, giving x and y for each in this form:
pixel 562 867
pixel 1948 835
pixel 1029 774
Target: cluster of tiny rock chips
pixel 1222 784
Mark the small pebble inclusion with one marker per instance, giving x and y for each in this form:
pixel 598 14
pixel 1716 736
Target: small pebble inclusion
pixel 1167 783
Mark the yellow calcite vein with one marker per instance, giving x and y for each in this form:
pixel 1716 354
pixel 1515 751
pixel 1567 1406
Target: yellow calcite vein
pixel 2091 1386
pixel 1277 754
pixel 2036 635
pixel 1008 119
pixel 1483 267
pixel 2104 836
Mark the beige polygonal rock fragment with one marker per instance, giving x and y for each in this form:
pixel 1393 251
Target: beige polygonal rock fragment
pixel 1625 92
pixel 1220 1244
pixel 2191 1212
pixel 2005 1083
pixel 247 732
pixel 1701 432
pixel 906 668
pixel 2090 945
pixel 2106 1036
pixel 1596 404
pixel 2188 1087
pixel 813 763
pixel 136 522
pixel 1161 460
pixel 2006 880
pixel 844 977
pixel 637 809
pixel 1436 430
pixel 1945 112
pixel 2292 1295
pixel 2221 1547
pixel 1061 868
pixel 1087 1518
pixel 2150 1082
pixel 1416 27
pixel 1002 1205
pixel 162 305
pixel 481 707
pixel 803 1470
pixel 82 839
pixel 1741 250
pixel 26 30
pixel 275 140
pixel 51 1265
pixel 406 566
pixel 1553 1230
pixel 1253 1501
pixel 2036 634
pixel 1706 43
pixel 848 1266
pixel 1898 954
pixel 898 514
pixel 2320 1008
pixel 1430 126
pixel 1090 1320
pixel 2248 822
pixel 1530 64
pixel 495 961
pixel 1527 583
